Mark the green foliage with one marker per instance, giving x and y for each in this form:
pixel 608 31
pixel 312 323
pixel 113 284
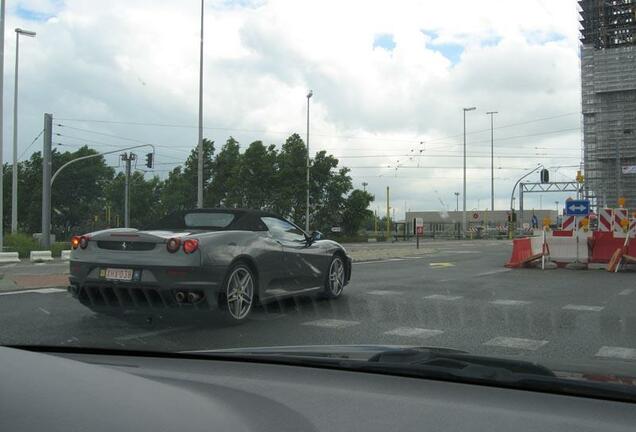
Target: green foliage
pixel 58 247
pixel 23 244
pixel 89 196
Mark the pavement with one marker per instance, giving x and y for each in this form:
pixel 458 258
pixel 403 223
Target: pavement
pixel 453 294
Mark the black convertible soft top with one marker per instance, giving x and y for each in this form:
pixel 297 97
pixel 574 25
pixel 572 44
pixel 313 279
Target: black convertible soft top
pixel 244 220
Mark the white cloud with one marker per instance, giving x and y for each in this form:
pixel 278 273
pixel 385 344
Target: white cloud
pixel 137 60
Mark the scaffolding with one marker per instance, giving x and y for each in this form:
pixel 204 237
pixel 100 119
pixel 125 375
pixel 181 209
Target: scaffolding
pixel 608 81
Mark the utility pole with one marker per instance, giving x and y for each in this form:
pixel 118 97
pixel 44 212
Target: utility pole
pixel 200 142
pixel 1 122
pixel 309 95
pixel 492 160
pixel 464 191
pixel 388 214
pixel 127 158
pixel 46 181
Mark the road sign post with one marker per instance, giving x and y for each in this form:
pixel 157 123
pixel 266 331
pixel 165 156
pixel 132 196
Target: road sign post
pixel 419 230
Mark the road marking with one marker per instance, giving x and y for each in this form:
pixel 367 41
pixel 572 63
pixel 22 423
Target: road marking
pixel 44 311
pixel 151 333
pixel 441 264
pixel 510 302
pixel 442 297
pixel 492 272
pixel 413 332
pixel 461 252
pixel 617 352
pixel 384 292
pixel 518 343
pixel 414 257
pixel 331 323
pixel 627 291
pixel 39 291
pixel 380 261
pixel 583 308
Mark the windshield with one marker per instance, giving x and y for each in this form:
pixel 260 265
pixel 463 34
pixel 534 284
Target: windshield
pixel 313 174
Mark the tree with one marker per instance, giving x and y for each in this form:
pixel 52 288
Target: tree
pixel 290 193
pixel 179 190
pixel 224 189
pixel 143 198
pixel 258 176
pixel 356 211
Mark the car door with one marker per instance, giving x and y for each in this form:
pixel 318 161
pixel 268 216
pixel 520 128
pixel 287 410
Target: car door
pixel 300 258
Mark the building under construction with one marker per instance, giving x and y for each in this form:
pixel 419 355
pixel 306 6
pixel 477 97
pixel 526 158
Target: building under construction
pixel 608 79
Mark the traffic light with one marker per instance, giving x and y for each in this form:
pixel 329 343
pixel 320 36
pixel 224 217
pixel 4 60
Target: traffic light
pixel 545 176
pixel 149 160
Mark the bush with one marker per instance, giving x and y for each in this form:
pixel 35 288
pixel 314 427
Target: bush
pixel 21 243
pixel 58 247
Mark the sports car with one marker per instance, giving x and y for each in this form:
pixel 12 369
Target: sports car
pixel 201 259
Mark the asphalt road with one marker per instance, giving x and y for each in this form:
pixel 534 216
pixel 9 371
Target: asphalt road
pixel 460 296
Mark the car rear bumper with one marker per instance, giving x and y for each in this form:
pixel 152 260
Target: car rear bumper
pixel 158 287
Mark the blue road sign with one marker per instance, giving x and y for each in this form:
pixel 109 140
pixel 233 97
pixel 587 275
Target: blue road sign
pixel 577 208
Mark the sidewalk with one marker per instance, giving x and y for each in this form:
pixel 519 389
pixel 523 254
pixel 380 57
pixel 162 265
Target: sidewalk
pixel 29 276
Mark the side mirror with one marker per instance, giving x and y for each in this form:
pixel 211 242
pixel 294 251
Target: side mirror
pixel 314 237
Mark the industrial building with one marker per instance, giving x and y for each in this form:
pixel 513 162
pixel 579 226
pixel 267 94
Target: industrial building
pixel 448 222
pixel 608 80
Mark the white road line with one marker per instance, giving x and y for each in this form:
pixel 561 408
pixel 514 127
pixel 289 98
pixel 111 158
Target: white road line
pixel 442 297
pixel 492 272
pixel 331 323
pixel 583 308
pixel 384 292
pixel 518 343
pixel 627 291
pixel 380 261
pixel 510 302
pixel 39 291
pixel 413 332
pixel 44 311
pixel 151 333
pixel 617 352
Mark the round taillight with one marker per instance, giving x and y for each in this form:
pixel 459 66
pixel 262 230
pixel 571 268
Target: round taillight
pixel 190 245
pixel 75 242
pixel 173 245
pixel 83 242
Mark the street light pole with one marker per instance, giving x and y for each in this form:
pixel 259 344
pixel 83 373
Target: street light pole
pixel 14 173
pixel 464 191
pixel 309 95
pixel 1 122
pixel 492 160
pixel 200 142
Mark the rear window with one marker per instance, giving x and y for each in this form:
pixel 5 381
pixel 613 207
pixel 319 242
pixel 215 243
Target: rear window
pixel 208 220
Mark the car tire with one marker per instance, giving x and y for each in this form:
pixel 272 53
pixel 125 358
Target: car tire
pixel 335 278
pixel 239 293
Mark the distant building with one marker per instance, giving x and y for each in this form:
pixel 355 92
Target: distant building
pixel 439 221
pixel 608 80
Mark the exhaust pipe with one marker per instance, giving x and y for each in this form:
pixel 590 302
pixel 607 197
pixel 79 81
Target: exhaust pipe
pixel 179 296
pixel 193 297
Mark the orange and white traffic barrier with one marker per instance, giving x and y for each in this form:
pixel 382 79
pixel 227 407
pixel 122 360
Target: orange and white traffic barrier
pixel 569 223
pixel 621 222
pixel 606 220
pixel 567 247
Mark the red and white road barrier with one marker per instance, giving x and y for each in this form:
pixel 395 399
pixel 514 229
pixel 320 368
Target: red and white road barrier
pixel 621 216
pixel 606 220
pixel 569 223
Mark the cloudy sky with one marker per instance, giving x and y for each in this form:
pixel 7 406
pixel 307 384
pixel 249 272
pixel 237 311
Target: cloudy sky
pixel 389 78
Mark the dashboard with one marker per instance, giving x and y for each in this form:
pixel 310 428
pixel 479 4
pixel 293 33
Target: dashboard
pixel 88 392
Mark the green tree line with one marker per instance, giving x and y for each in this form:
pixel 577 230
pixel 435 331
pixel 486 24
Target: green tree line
pixel 89 195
